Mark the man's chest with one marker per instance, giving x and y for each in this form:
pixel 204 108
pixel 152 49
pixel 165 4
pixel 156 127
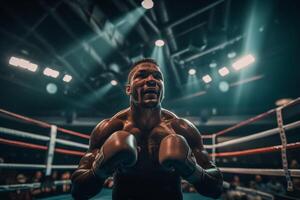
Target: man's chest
pixel 148 141
pixel 151 137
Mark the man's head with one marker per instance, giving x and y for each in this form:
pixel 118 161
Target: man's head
pixel 145 84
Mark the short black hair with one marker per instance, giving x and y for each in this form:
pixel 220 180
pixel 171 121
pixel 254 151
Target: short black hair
pixel 144 60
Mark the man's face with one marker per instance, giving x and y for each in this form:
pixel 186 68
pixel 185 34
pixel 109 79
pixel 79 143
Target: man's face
pixel 146 86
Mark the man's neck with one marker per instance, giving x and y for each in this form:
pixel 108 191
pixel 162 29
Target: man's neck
pixel 145 118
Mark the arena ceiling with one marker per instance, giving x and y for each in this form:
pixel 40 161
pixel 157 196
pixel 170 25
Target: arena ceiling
pixel 96 42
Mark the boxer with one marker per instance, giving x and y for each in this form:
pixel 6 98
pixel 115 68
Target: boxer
pixel 146 148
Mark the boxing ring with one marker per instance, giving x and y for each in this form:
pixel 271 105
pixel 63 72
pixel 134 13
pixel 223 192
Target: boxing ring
pixel 54 144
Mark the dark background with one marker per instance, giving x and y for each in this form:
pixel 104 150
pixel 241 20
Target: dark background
pixel 97 41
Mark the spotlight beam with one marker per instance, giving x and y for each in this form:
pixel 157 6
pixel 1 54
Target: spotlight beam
pixel 140 29
pixel 91 20
pixel 147 19
pixel 49 48
pixel 87 48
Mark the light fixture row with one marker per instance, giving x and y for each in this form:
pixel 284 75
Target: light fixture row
pixel 25 64
pixel 239 64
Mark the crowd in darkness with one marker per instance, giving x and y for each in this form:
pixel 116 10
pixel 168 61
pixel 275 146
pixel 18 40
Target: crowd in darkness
pixel 48 188
pixel 267 184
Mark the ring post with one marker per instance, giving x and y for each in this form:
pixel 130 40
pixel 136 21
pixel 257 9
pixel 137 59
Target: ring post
pixel 214 148
pixel 50 152
pixel 283 149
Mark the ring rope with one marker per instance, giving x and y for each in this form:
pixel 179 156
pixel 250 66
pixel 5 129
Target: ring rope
pixel 22 144
pixel 22 166
pixel 283 149
pixel 267 172
pixel 39 147
pixel 43 124
pixel 246 122
pixel 64 166
pixel 29 135
pixel 34 166
pixel 257 150
pixel 253 119
pixel 70 143
pixel 23 134
pixel 69 152
pixel 254 136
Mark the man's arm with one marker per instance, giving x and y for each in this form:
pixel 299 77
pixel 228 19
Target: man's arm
pixel 110 148
pixel 85 183
pixel 184 152
pixel 207 178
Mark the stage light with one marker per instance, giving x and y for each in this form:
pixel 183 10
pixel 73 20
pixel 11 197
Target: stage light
pixel 32 67
pixel 223 71
pixel 231 54
pixel 14 61
pixel 114 82
pixel 223 86
pixel 51 88
pixel 25 64
pixel 159 43
pixel 207 78
pixel 192 71
pixel 213 64
pixel 147 4
pixel 243 62
pixel 67 78
pixel 51 72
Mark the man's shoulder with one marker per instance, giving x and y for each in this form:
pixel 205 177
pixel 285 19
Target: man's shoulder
pixel 121 115
pixel 117 120
pixel 107 127
pixel 183 124
pixel 168 115
pixel 175 120
pixel 189 131
pixel 114 122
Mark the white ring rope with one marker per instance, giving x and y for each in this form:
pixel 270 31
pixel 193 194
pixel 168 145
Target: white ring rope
pixel 64 166
pixel 23 134
pixel 70 143
pixel 34 136
pixel 35 166
pixel 267 172
pixel 254 136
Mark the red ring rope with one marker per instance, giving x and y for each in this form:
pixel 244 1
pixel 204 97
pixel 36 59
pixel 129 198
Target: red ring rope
pixel 257 150
pixel 39 147
pixel 43 124
pixel 248 121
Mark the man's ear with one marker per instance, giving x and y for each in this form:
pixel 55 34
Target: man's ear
pixel 128 89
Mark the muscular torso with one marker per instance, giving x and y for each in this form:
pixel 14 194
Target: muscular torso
pixel 147 178
pixel 147 172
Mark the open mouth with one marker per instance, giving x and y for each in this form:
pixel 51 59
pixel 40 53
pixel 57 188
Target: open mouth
pixel 151 91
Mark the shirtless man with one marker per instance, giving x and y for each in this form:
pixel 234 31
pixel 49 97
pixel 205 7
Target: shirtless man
pixel 148 149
